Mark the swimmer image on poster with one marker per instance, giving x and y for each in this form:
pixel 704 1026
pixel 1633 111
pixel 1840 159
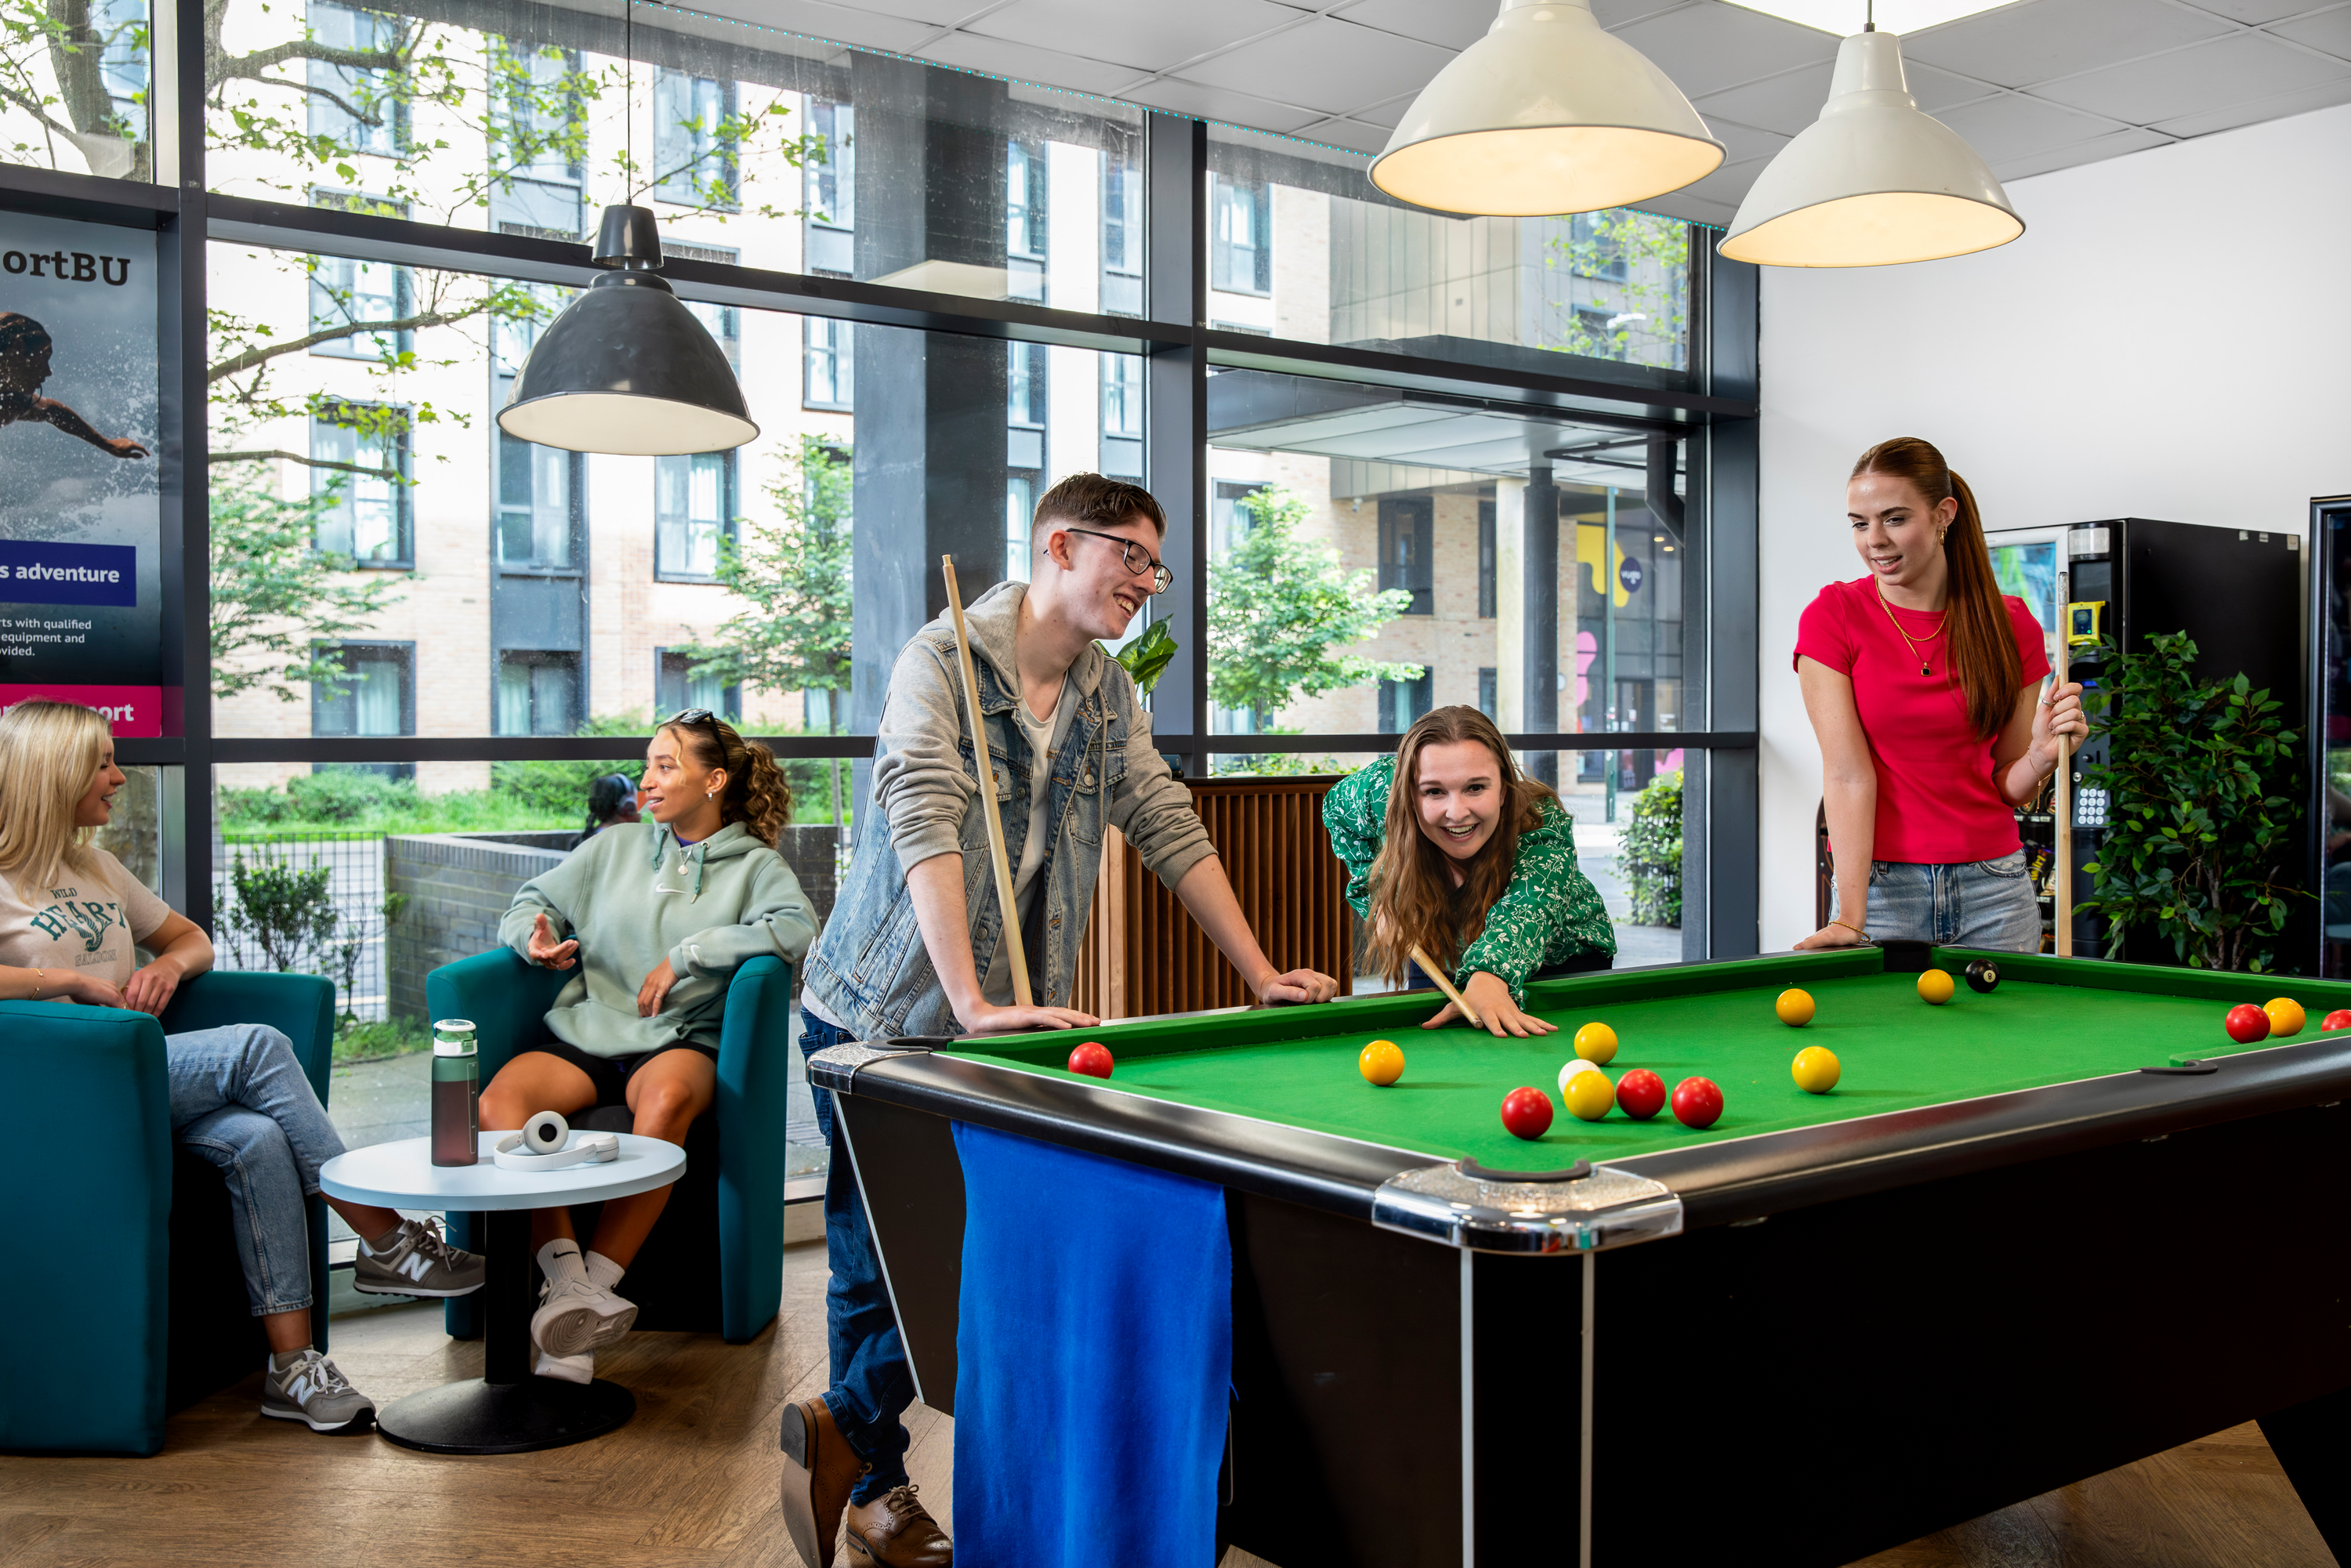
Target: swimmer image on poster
pixel 25 349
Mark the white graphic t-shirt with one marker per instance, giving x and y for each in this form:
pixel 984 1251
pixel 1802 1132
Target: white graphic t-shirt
pixel 87 921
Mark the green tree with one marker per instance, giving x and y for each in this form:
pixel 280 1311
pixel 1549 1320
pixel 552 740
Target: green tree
pixel 1279 608
pixel 1649 855
pixel 275 596
pixel 1644 260
pixel 792 570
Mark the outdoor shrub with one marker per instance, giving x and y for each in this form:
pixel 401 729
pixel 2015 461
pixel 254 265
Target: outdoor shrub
pixel 1649 855
pixel 347 795
pixel 258 808
pixel 560 790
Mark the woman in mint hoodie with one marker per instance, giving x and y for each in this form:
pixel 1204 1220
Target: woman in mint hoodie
pixel 653 917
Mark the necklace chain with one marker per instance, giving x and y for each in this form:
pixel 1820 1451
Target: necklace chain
pixel 1905 631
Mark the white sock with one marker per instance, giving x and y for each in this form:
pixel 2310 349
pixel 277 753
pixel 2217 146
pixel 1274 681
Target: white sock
pixel 603 1272
pixel 559 1261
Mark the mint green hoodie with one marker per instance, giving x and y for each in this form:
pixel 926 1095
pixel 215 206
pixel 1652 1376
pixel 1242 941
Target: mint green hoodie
pixel 634 896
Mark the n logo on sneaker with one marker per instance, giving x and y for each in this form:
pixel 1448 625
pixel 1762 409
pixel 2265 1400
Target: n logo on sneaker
pixel 300 1389
pixel 417 1265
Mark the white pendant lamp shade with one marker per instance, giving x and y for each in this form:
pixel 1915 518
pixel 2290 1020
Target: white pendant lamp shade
pixel 1873 180
pixel 1547 113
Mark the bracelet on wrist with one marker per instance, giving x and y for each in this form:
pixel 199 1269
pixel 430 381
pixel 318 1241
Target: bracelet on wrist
pixel 1849 926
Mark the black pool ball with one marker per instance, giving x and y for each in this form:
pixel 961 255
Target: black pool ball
pixel 1982 975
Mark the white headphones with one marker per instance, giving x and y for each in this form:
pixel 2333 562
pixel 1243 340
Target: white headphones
pixel 546 1144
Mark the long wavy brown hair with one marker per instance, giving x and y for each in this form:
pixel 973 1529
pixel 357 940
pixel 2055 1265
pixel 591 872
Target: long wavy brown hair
pixel 1979 639
pixel 1412 883
pixel 757 794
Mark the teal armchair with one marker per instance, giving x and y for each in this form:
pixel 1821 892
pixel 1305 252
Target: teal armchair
pixel 715 1261
pixel 138 1307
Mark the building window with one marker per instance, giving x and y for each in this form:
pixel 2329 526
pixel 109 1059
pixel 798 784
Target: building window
pixel 534 181
pixel 1025 404
pixel 831 189
pixel 1227 518
pixel 1407 542
pixel 1024 220
pixel 1020 514
pixel 375 696
pixel 360 109
pixel 694 152
pixel 1595 336
pixel 1121 415
pixel 1123 233
pixel 122 62
pixel 1597 252
pixel 539 692
pixel 829 365
pixel 541 494
pixel 693 508
pixel 364 515
pixel 1488 701
pixel 349 293
pixel 677 689
pixel 1402 703
pixel 1240 248
pixel 1487 558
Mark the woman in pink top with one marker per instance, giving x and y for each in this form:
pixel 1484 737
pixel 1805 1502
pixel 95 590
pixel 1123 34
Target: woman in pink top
pixel 1922 681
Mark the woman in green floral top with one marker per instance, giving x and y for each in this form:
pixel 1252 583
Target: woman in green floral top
pixel 1449 848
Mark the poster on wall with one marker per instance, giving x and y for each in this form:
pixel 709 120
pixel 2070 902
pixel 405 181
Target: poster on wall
pixel 80 517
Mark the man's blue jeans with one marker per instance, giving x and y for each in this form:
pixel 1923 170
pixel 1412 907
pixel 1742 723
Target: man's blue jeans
pixel 870 1385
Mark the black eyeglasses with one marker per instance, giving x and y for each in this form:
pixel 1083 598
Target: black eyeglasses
pixel 1138 559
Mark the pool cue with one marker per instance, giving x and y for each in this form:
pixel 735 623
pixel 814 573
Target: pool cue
pixel 1428 967
pixel 1018 957
pixel 2062 803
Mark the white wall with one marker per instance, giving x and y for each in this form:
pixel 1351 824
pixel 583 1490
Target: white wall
pixel 2172 338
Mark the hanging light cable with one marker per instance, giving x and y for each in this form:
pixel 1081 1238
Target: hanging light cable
pixel 626 367
pixel 1873 181
pixel 1547 113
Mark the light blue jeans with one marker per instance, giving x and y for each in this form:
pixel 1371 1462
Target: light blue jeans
pixel 1970 904
pixel 240 1101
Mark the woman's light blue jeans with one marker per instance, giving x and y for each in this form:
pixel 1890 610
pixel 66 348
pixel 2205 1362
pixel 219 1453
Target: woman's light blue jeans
pixel 1970 904
pixel 240 1101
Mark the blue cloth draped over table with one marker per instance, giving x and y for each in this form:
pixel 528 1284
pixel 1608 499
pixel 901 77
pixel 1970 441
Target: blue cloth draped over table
pixel 1095 1353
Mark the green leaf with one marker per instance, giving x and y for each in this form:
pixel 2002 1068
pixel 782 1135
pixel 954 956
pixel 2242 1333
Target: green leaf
pixel 1147 657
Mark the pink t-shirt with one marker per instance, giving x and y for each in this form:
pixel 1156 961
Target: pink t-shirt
pixel 1937 802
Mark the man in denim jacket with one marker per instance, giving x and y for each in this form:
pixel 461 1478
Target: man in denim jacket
pixel 915 942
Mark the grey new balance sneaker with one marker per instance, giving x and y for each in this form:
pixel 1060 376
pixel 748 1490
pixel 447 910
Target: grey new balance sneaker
pixel 419 1262
pixel 313 1389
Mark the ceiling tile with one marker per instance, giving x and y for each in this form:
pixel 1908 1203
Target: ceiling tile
pixel 1742 144
pixel 1351 134
pixel 1693 209
pixel 1214 104
pixel 932 13
pixel 1151 36
pixel 2252 10
pixel 1389 114
pixel 2013 126
pixel 1711 47
pixel 2017 45
pixel 1450 24
pixel 1027 63
pixel 2130 139
pixel 1792 101
pixel 2325 95
pixel 1728 184
pixel 1615 13
pixel 2328 30
pixel 1326 64
pixel 844 24
pixel 2237 70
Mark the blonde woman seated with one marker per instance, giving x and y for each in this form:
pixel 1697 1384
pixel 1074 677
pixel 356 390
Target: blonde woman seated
pixel 653 917
pixel 69 916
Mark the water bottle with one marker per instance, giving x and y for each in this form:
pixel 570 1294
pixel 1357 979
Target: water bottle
pixel 456 1079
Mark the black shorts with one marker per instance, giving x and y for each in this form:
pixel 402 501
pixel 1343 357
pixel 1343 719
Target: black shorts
pixel 610 1074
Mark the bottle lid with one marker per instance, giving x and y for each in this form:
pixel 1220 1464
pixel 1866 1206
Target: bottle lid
pixel 454 1037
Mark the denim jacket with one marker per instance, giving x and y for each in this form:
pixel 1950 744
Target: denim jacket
pixel 870 969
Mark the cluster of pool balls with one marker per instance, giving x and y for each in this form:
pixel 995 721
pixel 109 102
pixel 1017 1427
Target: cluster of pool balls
pixel 1583 1089
pixel 2281 1016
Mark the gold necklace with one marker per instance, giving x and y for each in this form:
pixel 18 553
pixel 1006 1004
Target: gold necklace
pixel 1912 641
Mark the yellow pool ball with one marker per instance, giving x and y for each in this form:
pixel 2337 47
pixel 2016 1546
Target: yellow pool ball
pixel 2285 1015
pixel 1794 1008
pixel 1589 1095
pixel 1935 985
pixel 1816 1069
pixel 1382 1062
pixel 1596 1043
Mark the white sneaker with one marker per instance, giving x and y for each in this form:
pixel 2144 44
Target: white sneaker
pixel 569 1368
pixel 575 1316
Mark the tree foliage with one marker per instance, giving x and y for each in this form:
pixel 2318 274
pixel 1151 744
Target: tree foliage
pixel 1646 258
pixel 2202 814
pixel 792 569
pixel 1282 607
pixel 275 596
pixel 1649 855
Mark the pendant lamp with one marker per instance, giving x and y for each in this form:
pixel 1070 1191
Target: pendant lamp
pixel 1547 113
pixel 1873 180
pixel 627 369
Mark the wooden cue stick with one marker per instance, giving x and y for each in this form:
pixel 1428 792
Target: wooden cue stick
pixel 1018 957
pixel 1428 967
pixel 2062 800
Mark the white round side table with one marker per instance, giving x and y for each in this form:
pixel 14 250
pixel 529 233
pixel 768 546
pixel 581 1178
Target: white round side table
pixel 506 1410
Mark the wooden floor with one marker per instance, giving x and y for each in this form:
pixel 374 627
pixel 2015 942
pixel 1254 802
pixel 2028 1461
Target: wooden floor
pixel 693 1479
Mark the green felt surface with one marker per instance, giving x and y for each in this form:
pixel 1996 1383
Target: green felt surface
pixel 1297 1065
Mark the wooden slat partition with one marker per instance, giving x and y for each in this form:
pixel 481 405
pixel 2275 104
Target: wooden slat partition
pixel 1144 954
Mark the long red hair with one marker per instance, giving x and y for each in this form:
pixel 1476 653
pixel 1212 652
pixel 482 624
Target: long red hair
pixel 1977 632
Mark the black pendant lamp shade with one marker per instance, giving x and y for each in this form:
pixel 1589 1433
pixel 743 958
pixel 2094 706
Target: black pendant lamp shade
pixel 627 369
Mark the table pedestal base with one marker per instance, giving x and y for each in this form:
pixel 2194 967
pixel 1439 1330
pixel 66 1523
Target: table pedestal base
pixel 477 1418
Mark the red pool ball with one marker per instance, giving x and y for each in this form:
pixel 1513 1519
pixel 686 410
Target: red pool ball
pixel 2246 1024
pixel 1526 1112
pixel 1640 1094
pixel 1090 1058
pixel 2339 1018
pixel 1697 1103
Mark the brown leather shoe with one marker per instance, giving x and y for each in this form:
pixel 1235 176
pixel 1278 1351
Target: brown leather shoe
pixel 895 1531
pixel 820 1469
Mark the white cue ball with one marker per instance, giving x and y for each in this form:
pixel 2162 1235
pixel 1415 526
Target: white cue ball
pixel 1576 1064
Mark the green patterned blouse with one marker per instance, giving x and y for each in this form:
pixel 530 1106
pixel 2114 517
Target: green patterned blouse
pixel 1549 911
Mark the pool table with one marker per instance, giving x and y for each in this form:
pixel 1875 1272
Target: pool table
pixel 2032 1233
